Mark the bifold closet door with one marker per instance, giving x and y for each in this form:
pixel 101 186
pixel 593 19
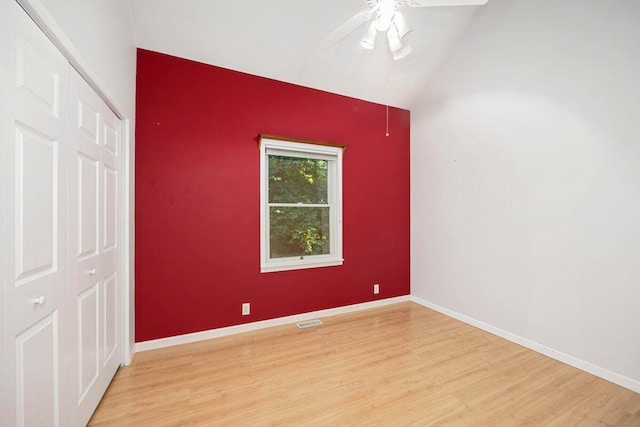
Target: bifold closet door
pixel 61 191
pixel 38 324
pixel 94 145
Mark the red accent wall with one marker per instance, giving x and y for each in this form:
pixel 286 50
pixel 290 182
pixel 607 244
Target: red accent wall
pixel 197 254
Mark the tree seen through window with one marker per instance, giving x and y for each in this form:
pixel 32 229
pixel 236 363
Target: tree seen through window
pixel 298 206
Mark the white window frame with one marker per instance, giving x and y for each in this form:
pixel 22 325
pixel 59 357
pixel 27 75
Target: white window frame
pixel 292 148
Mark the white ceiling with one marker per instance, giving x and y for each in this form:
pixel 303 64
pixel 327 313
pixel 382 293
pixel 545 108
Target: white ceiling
pixel 277 39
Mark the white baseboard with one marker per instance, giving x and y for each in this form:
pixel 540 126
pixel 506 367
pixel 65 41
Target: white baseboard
pixel 598 371
pixel 246 327
pixel 132 353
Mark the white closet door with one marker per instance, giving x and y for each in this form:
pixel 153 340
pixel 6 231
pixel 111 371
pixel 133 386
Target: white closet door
pixel 60 156
pixel 38 340
pixel 94 144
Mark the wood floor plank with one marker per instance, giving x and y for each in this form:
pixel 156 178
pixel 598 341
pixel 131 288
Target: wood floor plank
pixel 397 365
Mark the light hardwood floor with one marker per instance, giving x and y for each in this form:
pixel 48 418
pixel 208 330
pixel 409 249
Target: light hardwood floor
pixel 397 365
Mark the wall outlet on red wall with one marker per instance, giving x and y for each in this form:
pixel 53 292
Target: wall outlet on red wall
pixel 376 288
pixel 246 309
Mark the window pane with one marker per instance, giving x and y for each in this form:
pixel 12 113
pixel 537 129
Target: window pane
pixel 299 231
pixel 297 180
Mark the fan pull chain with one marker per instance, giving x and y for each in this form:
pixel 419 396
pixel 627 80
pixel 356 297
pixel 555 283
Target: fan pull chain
pixel 386 95
pixel 387 134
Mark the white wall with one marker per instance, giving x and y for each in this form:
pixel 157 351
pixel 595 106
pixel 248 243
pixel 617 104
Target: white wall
pixel 526 180
pixel 102 33
pixel 100 37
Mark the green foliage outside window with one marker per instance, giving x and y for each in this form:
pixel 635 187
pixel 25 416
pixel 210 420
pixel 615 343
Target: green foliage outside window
pixel 300 229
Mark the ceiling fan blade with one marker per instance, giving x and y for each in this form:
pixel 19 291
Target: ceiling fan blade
pixel 343 30
pixel 432 3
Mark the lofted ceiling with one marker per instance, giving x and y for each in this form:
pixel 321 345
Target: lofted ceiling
pixel 277 39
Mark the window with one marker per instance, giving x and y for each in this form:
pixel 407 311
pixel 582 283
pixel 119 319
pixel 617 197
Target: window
pixel 300 204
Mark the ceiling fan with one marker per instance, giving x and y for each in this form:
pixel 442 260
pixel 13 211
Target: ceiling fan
pixel 385 16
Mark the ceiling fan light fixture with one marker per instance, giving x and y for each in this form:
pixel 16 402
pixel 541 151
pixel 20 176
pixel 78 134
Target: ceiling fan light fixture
pixel 394 39
pixel 369 40
pixel 401 24
pixel 386 14
pixel 383 22
pixel 402 52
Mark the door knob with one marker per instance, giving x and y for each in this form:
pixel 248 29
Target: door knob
pixel 40 300
pixel 92 272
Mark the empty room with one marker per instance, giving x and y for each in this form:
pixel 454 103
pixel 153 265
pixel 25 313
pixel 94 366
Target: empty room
pixel 355 212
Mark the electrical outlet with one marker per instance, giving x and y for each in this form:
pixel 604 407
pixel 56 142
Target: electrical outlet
pixel 376 288
pixel 246 308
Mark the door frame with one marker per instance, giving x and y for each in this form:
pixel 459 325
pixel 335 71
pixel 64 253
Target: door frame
pixel 39 13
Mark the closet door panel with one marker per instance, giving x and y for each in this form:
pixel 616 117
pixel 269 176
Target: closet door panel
pixel 37 373
pixel 110 320
pixel 88 342
pixel 111 245
pixel 110 239
pixel 93 220
pixel 36 181
pixel 88 174
pixel 37 326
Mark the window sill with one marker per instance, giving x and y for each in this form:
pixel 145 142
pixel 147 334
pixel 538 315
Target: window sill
pixel 287 266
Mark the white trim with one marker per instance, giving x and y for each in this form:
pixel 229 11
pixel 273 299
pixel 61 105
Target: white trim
pixel 247 327
pixel 132 353
pixel 598 371
pixel 4 211
pixel 126 247
pixel 287 264
pixel 304 150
